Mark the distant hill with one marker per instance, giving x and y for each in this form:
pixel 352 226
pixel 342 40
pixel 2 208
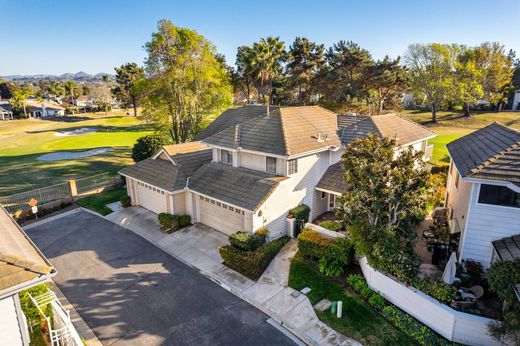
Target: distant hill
pixel 78 77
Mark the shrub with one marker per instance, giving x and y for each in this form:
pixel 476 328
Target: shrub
pixel 413 328
pixel 251 263
pixel 262 232
pixel 184 220
pixel 312 244
pixel 301 212
pixel 148 145
pixel 165 219
pixel 30 310
pixel 500 277
pixel 246 241
pixel 126 201
pixel 357 282
pixel 377 301
pixel 436 289
pixel 340 253
pixel 475 270
pixel 330 225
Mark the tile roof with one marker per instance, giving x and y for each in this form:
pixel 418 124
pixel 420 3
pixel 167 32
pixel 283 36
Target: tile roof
pixel 490 153
pixel 231 118
pixel 242 187
pixel 332 179
pixel 387 125
pixel 287 131
pixel 508 248
pixel 166 175
pixel 35 104
pixel 184 148
pixel 20 259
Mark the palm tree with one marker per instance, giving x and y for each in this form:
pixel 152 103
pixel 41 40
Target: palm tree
pixel 106 92
pixel 71 91
pixel 266 64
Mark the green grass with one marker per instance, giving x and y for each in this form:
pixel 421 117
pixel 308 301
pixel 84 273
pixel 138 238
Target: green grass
pixel 99 201
pixel 36 338
pixel 453 125
pixel 359 321
pixel 23 141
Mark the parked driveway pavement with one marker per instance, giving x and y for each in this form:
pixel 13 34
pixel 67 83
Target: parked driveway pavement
pixel 130 292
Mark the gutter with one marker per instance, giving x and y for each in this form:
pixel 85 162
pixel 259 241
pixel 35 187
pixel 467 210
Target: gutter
pixel 28 284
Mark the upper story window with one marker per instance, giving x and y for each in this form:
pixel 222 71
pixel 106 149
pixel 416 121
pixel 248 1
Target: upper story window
pixel 292 166
pixel 270 164
pixel 498 195
pixel 226 156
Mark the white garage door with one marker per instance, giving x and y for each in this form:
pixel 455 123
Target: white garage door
pixel 151 198
pixel 220 216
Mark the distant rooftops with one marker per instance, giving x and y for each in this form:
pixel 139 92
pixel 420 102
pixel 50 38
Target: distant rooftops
pixel 490 153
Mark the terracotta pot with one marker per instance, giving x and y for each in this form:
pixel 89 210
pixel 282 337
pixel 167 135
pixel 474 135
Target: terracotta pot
pixel 290 216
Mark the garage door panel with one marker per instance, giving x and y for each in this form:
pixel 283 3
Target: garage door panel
pixel 151 198
pixel 222 217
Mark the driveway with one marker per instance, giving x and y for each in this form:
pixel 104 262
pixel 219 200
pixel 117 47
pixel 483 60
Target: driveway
pixel 130 292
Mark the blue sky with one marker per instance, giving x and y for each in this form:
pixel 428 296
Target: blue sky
pixel 94 36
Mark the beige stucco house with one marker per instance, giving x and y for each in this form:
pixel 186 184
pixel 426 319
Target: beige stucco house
pixel 483 194
pixel 247 169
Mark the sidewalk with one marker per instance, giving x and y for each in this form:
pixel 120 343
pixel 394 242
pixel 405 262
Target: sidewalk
pixel 197 246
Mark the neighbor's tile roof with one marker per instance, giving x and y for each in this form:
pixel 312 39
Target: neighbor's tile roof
pixel 20 259
pixel 333 180
pixel 490 153
pixel 242 187
pixel 404 131
pixel 286 131
pixel 166 175
pixel 231 118
pixel 508 248
pixel 35 104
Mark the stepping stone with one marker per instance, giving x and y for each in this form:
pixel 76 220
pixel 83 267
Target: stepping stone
pixel 305 290
pixel 323 305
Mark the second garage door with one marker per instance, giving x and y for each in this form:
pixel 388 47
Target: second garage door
pixel 151 198
pixel 220 216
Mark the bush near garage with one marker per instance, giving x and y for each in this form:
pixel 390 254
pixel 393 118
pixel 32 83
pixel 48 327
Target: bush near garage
pixel 184 220
pixel 126 201
pixel 171 223
pixel 246 241
pixel 251 263
pixel 262 232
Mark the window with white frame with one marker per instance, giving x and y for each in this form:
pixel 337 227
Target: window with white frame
pixel 226 156
pixel 323 195
pixel 270 164
pixel 292 166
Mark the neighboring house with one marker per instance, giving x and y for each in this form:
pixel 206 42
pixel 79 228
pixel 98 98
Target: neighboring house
pixel 44 109
pixel 246 169
pixel 483 193
pixel 83 102
pixel 516 101
pixel 22 266
pixel 6 112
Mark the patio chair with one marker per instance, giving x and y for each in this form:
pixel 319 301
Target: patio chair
pixel 471 294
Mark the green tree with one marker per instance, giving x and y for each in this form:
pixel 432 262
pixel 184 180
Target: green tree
pixel 497 67
pixel 7 89
pixel 432 73
pixel 244 71
pixel 72 91
pixel 148 145
pixel 390 80
pixel 468 79
pixel 266 64
pixel 387 193
pixel 305 60
pixel 186 82
pixel 18 99
pixel 344 83
pixel 126 78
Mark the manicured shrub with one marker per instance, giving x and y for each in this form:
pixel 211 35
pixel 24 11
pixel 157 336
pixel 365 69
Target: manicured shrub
pixel 262 232
pixel 312 244
pixel 377 301
pixel 436 289
pixel 330 225
pixel 165 219
pixel 357 282
pixel 251 263
pixel 246 241
pixel 301 212
pixel 126 201
pixel 184 220
pixel 338 255
pixel 148 145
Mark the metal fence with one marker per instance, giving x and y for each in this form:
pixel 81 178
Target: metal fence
pixel 60 192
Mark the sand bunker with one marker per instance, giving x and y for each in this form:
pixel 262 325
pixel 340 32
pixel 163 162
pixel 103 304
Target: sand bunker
pixel 70 155
pixel 80 131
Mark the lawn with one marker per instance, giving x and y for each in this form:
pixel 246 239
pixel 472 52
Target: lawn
pixel 23 141
pixel 99 201
pixel 359 321
pixel 453 125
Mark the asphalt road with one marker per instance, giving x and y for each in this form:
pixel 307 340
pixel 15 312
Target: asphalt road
pixel 130 292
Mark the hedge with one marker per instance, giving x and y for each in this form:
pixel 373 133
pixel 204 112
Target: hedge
pixel 330 225
pixel 246 241
pixel 171 223
pixel 126 201
pixel 312 244
pixel 301 212
pixel 251 263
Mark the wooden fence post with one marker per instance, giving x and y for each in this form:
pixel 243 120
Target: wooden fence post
pixel 72 188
